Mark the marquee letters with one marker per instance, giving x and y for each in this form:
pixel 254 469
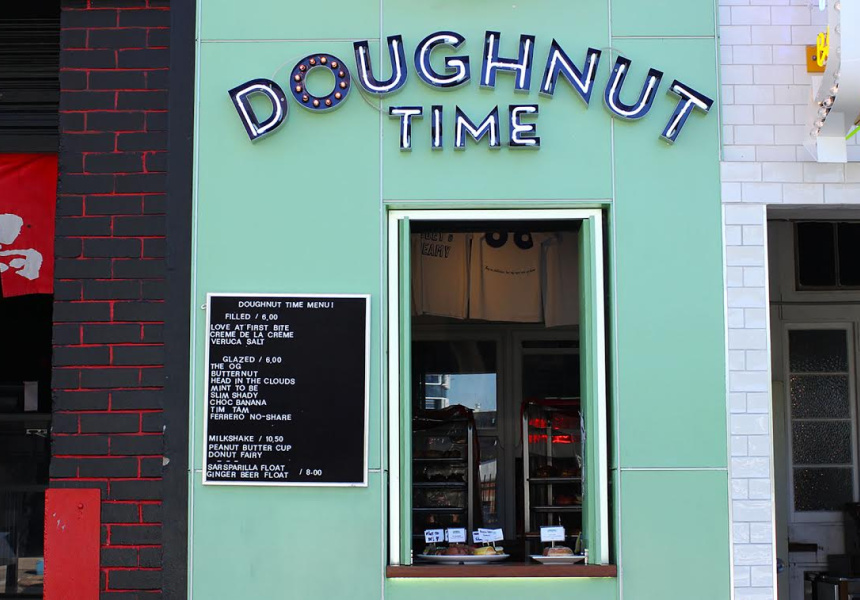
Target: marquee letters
pixel 559 63
pixel 521 66
pixel 241 97
pixel 406 113
pixel 489 126
pixel 397 57
pixel 456 72
pixel 612 94
pixel 458 64
pixel 690 99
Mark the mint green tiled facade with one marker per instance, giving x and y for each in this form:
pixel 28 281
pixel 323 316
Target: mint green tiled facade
pixel 304 211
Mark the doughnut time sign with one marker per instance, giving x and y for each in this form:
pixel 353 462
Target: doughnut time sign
pixel 519 119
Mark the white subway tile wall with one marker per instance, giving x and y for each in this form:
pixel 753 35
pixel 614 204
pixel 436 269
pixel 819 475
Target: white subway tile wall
pixel 764 95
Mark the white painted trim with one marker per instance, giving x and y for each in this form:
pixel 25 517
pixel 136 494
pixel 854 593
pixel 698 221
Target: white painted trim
pixel 493 214
pixel 727 392
pixel 394 555
pixel 600 350
pixel 770 427
pixel 393 303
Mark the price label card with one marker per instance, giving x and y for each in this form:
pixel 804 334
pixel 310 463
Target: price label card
pixel 455 536
pixel 477 538
pixel 431 536
pixel 492 535
pixel 552 534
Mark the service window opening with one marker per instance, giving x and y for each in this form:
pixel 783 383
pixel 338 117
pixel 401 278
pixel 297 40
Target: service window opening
pixel 494 376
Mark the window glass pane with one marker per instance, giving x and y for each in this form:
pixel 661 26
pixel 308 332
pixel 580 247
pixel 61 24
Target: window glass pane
pixel 439 498
pixel 822 489
pixel 441 470
pixel 457 373
pixel 22 526
pixel 849 254
pixel 550 376
pixel 819 396
pixel 489 491
pixel 555 464
pixel 471 382
pixel 543 344
pixel 435 519
pixel 823 350
pixel 25 456
pixel 821 442
pixel 816 260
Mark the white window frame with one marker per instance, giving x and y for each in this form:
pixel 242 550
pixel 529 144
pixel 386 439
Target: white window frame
pixel 395 216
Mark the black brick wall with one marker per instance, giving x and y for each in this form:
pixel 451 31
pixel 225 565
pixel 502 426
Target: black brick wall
pixel 109 293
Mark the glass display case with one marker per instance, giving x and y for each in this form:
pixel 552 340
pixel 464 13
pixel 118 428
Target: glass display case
pixel 552 466
pixel 444 460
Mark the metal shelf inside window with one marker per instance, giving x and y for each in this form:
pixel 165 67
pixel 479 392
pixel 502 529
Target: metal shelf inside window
pixel 553 476
pixel 443 479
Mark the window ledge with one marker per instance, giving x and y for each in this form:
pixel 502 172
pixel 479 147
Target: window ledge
pixel 498 570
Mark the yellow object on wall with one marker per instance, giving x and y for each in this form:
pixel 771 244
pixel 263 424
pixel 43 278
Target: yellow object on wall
pixel 822 48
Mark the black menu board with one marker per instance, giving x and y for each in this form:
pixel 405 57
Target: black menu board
pixel 286 390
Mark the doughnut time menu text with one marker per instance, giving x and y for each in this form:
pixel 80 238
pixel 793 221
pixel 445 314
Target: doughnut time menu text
pixel 286 390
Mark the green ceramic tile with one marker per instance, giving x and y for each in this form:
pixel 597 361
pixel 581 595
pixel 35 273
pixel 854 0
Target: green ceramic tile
pixel 286 542
pixel 611 329
pixel 670 339
pixel 688 18
pixel 573 162
pixel 301 212
pixel 675 531
pixel 267 20
pixel 296 212
pixel 495 589
pixel 614 503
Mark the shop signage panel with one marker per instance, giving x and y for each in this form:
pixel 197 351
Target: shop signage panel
pixel 286 390
pixel 558 65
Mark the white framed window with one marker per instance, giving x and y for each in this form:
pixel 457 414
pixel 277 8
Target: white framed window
pixel 591 342
pixel 821 420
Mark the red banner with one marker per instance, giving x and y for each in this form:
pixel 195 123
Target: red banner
pixel 28 200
